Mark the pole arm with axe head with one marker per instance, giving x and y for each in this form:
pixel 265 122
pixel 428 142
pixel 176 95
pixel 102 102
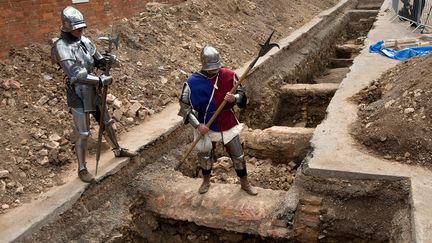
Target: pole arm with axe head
pixel 111 42
pixel 104 96
pixel 265 48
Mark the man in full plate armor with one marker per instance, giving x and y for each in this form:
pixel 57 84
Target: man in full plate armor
pixel 78 58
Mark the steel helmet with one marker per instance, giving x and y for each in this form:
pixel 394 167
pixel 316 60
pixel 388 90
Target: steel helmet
pixel 210 59
pixel 72 19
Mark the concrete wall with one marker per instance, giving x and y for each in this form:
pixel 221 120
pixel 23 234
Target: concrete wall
pixel 27 21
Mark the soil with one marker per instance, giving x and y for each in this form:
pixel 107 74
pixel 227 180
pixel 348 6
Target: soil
pixel 159 49
pixel 395 115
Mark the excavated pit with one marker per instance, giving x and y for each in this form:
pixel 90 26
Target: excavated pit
pixel 149 201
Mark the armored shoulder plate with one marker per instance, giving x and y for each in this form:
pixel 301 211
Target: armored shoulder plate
pixel 186 109
pixel 78 52
pixel 61 51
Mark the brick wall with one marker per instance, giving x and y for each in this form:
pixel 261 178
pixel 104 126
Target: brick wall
pixel 27 21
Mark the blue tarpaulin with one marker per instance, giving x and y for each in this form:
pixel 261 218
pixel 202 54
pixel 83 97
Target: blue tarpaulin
pixel 401 54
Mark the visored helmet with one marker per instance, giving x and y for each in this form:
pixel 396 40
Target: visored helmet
pixel 72 19
pixel 210 59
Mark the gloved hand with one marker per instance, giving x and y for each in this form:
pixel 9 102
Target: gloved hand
pixel 111 60
pixel 105 79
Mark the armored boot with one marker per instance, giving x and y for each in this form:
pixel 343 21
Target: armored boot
pixel 83 173
pixel 205 184
pixel 111 138
pixel 206 164
pixel 122 152
pixel 85 176
pixel 82 132
pixel 245 185
pixel 235 149
pixel 80 151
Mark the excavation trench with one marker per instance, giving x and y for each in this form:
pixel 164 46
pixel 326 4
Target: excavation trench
pixel 149 201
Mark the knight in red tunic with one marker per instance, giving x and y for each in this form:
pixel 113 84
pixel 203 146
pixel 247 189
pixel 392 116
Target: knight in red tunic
pixel 202 94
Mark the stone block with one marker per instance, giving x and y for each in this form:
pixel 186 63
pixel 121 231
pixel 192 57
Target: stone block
pixel 142 114
pixel 132 111
pixel 118 114
pixel 44 99
pixel 110 98
pixel 117 104
pixel 4 173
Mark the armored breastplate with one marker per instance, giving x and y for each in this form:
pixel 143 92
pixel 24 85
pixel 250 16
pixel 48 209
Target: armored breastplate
pixel 83 56
pixel 79 51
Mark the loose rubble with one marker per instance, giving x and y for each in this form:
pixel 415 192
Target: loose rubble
pixel 395 115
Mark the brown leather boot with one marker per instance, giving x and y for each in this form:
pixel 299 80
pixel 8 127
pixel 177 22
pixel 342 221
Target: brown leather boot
pixel 85 176
pixel 122 152
pixel 245 185
pixel 205 184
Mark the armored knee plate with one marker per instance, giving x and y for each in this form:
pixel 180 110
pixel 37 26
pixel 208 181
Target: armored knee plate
pixel 235 150
pixel 239 162
pixel 206 160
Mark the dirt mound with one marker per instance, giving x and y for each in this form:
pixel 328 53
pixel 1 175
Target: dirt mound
pixel 395 115
pixel 159 49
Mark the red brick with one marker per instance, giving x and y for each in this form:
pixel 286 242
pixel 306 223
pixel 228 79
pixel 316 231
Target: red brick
pixel 308 209
pixel 308 235
pixel 311 223
pixel 279 223
pixel 36 18
pixel 311 200
pixel 309 218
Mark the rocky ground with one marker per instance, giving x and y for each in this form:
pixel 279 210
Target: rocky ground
pixel 160 48
pixel 395 115
pixel 262 173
